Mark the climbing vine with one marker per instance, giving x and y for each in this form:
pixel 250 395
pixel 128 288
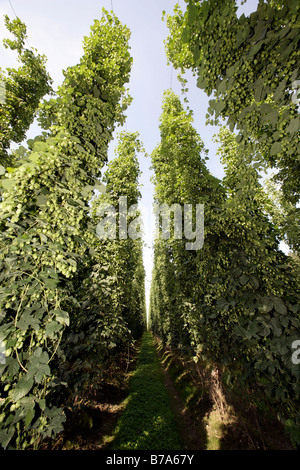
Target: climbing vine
pixel 251 66
pixel 46 231
pixel 237 297
pixel 180 177
pixel 108 287
pixel 22 90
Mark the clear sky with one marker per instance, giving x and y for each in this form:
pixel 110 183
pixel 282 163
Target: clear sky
pixel 57 27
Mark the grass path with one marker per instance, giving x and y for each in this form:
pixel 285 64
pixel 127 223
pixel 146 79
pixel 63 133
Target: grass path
pixel 147 422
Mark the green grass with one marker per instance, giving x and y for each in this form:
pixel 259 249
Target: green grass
pixel 147 423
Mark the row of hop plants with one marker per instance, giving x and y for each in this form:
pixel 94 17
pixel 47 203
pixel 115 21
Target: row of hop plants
pixel 234 302
pixel 68 299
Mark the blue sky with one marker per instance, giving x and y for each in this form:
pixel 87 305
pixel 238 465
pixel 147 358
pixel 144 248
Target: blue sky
pixel 56 28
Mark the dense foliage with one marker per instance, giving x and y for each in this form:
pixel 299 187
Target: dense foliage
pixel 234 302
pixel 244 305
pixel 22 90
pixel 251 66
pixel 72 292
pixel 109 284
pixel 52 263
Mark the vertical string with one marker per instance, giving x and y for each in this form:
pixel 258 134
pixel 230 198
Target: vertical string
pixel 171 81
pixel 112 7
pixel 14 11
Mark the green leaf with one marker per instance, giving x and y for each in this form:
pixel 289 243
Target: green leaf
pixel 6 436
pixel 254 282
pixel 201 83
pixel 56 417
pixel 276 148
pixel 29 417
pixel 196 54
pixel 244 279
pixel 92 252
pixel 271 117
pixel 42 403
pixel 28 320
pixel 22 388
pixel 42 371
pixel 238 330
pixel 293 126
pixel 255 48
pixel 34 157
pixel 222 87
pixel 265 331
pixel 266 108
pixel 276 327
pixel 62 317
pixel 80 148
pixel 221 303
pixel 266 304
pixel 40 146
pixel 100 187
pixel 192 13
pixel 259 92
pixel 87 190
pixel 2 170
pixel 8 184
pixel 219 106
pixel 242 35
pixel 52 328
pixel 204 12
pixel 27 402
pixel 12 365
pixel 280 306
pixel 38 365
pixel 43 238
pixel 10 169
pixel 295 308
pixel 185 35
pixel 50 283
pixel 230 71
pixel 96 92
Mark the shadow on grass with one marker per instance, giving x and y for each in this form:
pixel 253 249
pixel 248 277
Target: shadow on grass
pixel 224 418
pixel 256 426
pixel 192 404
pixel 147 423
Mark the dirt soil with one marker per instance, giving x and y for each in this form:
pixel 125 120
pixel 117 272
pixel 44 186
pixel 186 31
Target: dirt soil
pixel 186 422
pixel 221 420
pixel 212 418
pixel 91 419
